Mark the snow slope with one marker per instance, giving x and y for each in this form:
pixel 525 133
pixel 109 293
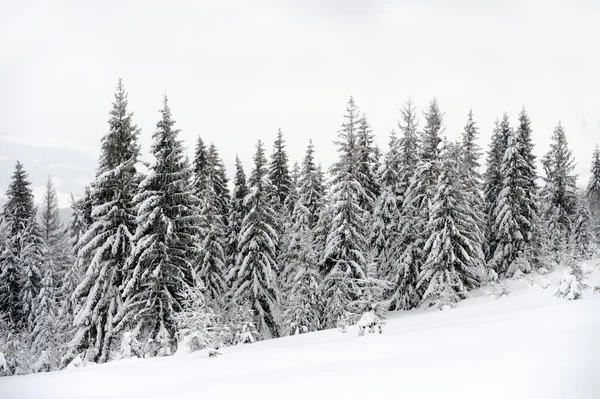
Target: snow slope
pixel 525 345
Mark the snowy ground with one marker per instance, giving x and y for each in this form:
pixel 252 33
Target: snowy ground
pixel 525 345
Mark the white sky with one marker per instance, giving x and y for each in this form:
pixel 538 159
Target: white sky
pixel 235 71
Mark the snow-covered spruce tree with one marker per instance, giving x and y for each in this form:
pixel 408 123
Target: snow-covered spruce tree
pixel 585 242
pixel 107 244
pixel 165 244
pixel 279 172
pixel 44 335
pixel 311 192
pixel 303 304
pixel 367 158
pixel 385 219
pixel 254 274
pixel 471 179
pixel 219 180
pixel 471 154
pixel 417 202
pixel 57 254
pixel 529 203
pixel 33 265
pixel 493 180
pixel 510 215
pixel 17 214
pixel 237 214
pixel 404 271
pixel 559 194
pixel 213 211
pixel 344 258
pixel 200 168
pixel 454 261
pixel 593 189
pixel 310 186
pixel 210 264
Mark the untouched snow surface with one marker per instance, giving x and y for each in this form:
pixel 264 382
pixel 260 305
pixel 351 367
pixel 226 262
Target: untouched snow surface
pixel 528 344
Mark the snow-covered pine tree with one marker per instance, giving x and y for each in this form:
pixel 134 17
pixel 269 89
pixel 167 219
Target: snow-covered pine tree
pixel 44 335
pixel 559 194
pixel 385 219
pixel 200 169
pixel 236 215
pixel 57 252
pixel 510 215
pixel 210 265
pixel 454 261
pixel 593 189
pixel 279 172
pixel 33 265
pixel 529 203
pixel 404 272
pixel 493 180
pixel 108 241
pixel 344 257
pixel 165 244
pixel 220 182
pixel 367 158
pixel 254 274
pixel 419 196
pixel 585 242
pixel 310 186
pixel 471 178
pixel 17 214
pixel 303 304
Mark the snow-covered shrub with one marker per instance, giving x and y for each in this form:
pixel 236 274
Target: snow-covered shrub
pixel 369 320
pixel 199 323
pixel 130 346
pixel 240 328
pixel 43 363
pixel 571 284
pixel 569 287
pixel 76 363
pixel 343 322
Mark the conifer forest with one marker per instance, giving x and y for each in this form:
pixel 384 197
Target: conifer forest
pixel 182 252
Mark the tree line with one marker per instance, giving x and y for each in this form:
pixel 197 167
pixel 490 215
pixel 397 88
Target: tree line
pixel 171 254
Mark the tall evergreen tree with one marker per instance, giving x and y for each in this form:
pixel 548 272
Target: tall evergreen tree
pixel 418 199
pixel 454 256
pixel 108 242
pixel 559 194
pixel 593 187
pixel 509 215
pixel 237 214
pixel 385 220
pixel 254 274
pixel 165 243
pixel 303 305
pixel 220 183
pixel 210 265
pixel 585 242
pixel 493 180
pixel 18 276
pixel 200 168
pixel 344 258
pixel 529 203
pixel 279 172
pixel 50 218
pixel 404 272
pixel 367 158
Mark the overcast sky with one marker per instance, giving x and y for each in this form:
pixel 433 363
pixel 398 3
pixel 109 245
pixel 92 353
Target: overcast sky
pixel 235 71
